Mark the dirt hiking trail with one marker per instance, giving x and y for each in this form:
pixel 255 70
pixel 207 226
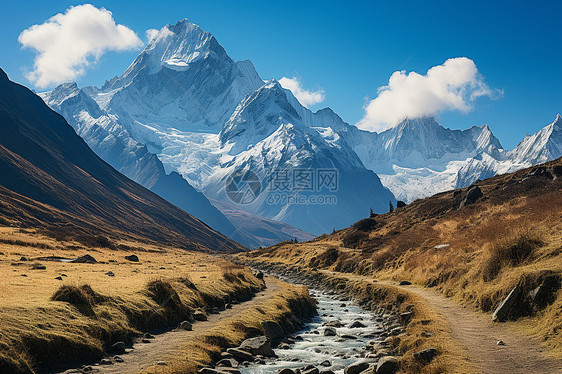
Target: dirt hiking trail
pixel 146 355
pixel 478 336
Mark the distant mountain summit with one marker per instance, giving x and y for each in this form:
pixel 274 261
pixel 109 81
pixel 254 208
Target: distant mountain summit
pixel 544 145
pixel 183 79
pixel 267 132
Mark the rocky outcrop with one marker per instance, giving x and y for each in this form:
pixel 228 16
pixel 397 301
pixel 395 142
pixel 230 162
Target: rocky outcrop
pixel 473 194
pixel 503 310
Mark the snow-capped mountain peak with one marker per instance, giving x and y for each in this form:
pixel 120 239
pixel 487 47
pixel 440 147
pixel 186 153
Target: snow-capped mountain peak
pixel 542 146
pixel 258 116
pixel 176 46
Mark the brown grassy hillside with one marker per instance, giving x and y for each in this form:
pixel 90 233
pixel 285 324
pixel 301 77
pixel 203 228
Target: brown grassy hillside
pixel 476 253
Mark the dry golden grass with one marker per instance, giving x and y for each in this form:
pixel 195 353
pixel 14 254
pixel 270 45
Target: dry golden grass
pixel 205 347
pixel 162 289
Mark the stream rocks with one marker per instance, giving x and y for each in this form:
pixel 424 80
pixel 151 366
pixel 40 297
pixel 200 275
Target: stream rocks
pixel 357 324
pixel 387 365
pixel 386 327
pixel 357 367
pixel 260 345
pixel 227 362
pixel 273 331
pixel 240 355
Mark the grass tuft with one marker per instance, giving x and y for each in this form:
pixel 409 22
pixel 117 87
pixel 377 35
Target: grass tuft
pixel 510 252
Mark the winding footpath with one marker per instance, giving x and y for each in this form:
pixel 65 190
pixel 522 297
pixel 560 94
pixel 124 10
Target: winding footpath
pixel 146 355
pixel 478 335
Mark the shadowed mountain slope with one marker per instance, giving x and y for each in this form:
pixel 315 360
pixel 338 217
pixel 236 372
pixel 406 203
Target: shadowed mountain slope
pixel 50 179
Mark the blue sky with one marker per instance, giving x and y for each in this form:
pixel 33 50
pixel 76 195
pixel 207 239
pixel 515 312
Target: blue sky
pixel 350 48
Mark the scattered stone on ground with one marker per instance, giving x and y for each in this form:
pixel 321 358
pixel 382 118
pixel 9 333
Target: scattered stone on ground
pixel 118 348
pixel 473 194
pixel 199 316
pixel 426 355
pixel 186 325
pixel 132 258
pixel 86 259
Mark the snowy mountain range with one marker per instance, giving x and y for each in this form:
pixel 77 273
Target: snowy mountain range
pixel 419 157
pixel 185 114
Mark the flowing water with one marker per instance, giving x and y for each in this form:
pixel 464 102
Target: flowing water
pixel 315 348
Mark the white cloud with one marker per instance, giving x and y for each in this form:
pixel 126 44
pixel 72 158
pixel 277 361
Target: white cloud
pixel 451 86
pixel 151 33
pixel 306 98
pixel 68 43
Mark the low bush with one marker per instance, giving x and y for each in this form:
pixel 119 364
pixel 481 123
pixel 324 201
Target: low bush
pixel 509 253
pixel 368 224
pixel 354 239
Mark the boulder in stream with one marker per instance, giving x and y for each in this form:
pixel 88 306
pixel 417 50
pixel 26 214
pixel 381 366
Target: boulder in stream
pixel 260 345
pixel 357 324
pixel 286 371
pixel 330 331
pixel 240 355
pixel 310 369
pixel 357 367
